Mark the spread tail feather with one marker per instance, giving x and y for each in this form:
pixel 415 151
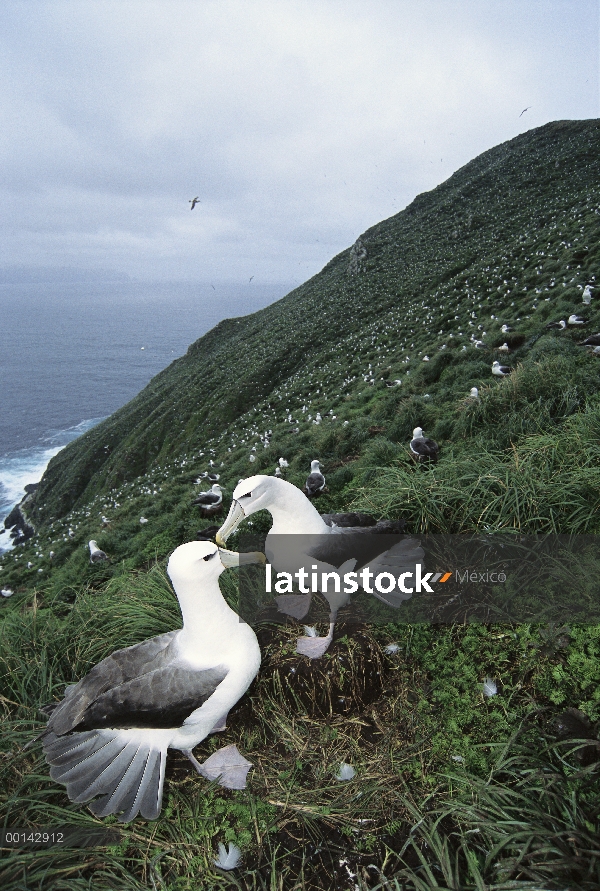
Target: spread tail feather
pixel 125 767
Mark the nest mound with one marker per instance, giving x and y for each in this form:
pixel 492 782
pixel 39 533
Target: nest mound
pixel 347 678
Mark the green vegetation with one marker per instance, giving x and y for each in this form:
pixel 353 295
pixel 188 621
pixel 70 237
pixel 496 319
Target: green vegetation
pixel 453 789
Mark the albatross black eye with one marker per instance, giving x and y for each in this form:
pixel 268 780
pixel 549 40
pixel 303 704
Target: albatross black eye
pixel 209 556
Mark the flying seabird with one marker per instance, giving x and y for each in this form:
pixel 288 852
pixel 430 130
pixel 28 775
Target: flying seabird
pixel 210 502
pixel 524 110
pixel 576 320
pixel 110 734
pixel 561 325
pixel 422 448
pixel 592 340
pixel 193 202
pixel 500 370
pixel 96 554
pixel 315 482
pixel 340 542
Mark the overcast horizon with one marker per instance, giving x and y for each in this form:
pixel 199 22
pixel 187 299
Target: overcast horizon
pixel 298 125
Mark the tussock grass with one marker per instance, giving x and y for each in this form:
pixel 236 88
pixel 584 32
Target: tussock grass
pixel 403 816
pixel 547 482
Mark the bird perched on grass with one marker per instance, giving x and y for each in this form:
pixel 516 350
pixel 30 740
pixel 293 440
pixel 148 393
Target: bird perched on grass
pixel 96 554
pixel 110 734
pixel 423 449
pixel 474 393
pixel 576 320
pixel 592 340
pixel 504 348
pixel 327 541
pixel 210 503
pixel 587 294
pixel 505 329
pixel 559 325
pixel 315 482
pixel 500 370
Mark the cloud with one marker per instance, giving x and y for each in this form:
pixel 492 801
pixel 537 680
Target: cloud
pixel 299 124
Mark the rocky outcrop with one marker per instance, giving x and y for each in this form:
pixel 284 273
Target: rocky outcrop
pixel 17 521
pixel 358 255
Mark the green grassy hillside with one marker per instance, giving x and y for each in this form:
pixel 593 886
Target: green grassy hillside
pixel 511 238
pixel 453 789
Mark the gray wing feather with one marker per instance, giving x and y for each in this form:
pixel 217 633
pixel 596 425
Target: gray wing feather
pixel 350 519
pixel 315 482
pixel 161 698
pixel 127 773
pixel 401 557
pixel 113 671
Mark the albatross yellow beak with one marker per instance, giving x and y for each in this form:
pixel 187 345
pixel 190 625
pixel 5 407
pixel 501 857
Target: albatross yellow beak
pixel 231 558
pixel 234 518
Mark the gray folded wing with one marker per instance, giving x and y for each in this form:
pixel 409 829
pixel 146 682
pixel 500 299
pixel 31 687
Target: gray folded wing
pixel 138 686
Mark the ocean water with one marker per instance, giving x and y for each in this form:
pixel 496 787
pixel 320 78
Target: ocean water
pixel 72 353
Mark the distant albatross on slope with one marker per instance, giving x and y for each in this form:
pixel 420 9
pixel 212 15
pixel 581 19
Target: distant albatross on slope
pixel 330 543
pixel 210 502
pixel 422 448
pixel 500 370
pixel 97 555
pixel 315 481
pixel 110 734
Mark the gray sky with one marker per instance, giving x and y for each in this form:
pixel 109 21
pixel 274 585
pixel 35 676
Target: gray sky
pixel 299 124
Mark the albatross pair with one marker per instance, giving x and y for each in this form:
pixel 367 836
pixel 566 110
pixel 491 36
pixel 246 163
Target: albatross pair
pixel 110 734
pixel 334 542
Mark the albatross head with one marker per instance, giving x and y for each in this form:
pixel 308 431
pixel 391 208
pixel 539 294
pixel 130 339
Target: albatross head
pixel 418 433
pixel 259 492
pixel 203 561
pixel 249 496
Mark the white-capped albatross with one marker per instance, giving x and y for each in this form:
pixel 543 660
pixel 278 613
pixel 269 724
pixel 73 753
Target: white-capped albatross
pixel 500 370
pixel 315 482
pixel 340 542
pixel 423 449
pixel 210 502
pixel 97 555
pixel 110 734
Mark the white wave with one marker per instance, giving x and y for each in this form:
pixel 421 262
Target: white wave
pixel 25 466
